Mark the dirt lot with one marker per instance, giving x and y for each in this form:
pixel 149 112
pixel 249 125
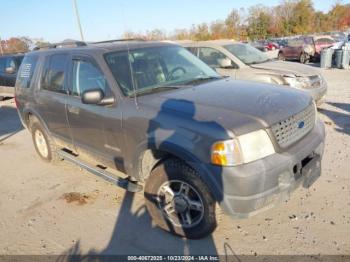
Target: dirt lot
pixel 61 209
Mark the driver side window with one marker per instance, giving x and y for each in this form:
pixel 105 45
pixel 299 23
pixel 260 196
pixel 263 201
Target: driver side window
pixel 211 56
pixel 87 76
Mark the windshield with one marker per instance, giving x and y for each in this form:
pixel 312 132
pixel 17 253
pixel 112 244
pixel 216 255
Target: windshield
pixel 247 53
pixel 156 69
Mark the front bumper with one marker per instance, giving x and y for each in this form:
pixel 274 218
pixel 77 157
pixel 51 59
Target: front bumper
pixel 7 91
pixel 318 94
pixel 251 188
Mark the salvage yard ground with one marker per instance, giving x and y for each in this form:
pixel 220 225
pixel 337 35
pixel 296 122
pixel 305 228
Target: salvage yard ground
pixel 61 209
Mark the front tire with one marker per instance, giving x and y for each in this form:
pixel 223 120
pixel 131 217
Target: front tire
pixel 179 201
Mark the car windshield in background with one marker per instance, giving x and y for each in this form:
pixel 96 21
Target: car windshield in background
pixel 247 54
pixel 150 70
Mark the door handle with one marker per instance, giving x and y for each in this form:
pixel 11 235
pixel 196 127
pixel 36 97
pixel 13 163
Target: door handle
pixel 73 110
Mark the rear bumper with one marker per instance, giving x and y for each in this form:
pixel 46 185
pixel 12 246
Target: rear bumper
pixel 7 91
pixel 257 186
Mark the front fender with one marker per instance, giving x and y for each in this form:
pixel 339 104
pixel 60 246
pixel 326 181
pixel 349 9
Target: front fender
pixel 178 150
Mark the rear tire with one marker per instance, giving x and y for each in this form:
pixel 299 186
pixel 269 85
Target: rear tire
pixel 179 201
pixel 281 56
pixel 43 143
pixel 304 58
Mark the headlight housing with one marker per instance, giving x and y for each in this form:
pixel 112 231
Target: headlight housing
pixel 298 82
pixel 243 149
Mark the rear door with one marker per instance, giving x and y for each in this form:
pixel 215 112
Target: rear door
pixel 52 95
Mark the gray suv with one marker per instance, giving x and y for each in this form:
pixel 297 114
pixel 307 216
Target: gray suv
pixel 190 139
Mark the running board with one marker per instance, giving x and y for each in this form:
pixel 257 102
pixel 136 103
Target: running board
pixel 121 182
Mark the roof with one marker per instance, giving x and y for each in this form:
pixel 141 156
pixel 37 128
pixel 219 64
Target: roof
pixel 219 42
pixel 12 55
pixel 103 46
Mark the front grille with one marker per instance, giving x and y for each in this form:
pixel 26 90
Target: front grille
pixel 295 127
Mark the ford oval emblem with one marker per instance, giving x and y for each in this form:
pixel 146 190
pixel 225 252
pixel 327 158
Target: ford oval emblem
pixel 301 124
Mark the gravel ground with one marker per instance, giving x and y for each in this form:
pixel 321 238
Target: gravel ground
pixel 61 209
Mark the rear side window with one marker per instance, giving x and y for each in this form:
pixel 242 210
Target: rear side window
pixel 26 71
pixel 193 50
pixel 87 76
pixel 54 75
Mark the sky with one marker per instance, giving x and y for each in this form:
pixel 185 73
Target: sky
pixel 55 21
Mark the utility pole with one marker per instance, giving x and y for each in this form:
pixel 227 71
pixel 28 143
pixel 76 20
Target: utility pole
pixel 78 19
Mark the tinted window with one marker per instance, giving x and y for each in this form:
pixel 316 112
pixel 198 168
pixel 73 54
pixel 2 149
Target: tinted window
pixel 26 71
pixel 2 64
pixel 148 70
pixel 193 50
pixel 247 53
pixel 54 75
pixel 87 76
pixel 210 56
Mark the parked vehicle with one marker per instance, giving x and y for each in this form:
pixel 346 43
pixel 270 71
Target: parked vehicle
pixel 301 49
pixel 321 42
pixel 264 45
pixel 244 62
pixel 9 65
pixel 305 48
pixel 157 113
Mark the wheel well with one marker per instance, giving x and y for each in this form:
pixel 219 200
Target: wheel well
pixel 151 159
pixel 28 118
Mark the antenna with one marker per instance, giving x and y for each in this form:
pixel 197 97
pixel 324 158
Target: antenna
pixel 78 19
pixel 131 70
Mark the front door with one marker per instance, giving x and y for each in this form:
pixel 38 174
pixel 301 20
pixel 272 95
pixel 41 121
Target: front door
pixel 211 57
pixel 88 123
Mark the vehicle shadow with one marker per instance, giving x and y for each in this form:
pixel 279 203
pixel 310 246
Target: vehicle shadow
pixel 341 120
pixel 10 123
pixel 134 232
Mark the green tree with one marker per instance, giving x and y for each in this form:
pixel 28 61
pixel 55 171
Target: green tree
pixel 303 17
pixel 259 22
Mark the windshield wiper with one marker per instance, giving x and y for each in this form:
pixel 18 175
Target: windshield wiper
pixel 202 79
pixel 152 90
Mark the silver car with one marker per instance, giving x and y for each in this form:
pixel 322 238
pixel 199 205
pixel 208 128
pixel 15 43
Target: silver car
pixel 242 61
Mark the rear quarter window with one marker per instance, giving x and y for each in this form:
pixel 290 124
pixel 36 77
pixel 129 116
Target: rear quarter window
pixel 26 71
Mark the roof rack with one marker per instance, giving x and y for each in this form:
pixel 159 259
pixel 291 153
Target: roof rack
pixel 118 40
pixel 61 45
pixel 13 53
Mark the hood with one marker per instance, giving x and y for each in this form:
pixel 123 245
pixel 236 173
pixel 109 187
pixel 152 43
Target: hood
pixel 287 68
pixel 239 106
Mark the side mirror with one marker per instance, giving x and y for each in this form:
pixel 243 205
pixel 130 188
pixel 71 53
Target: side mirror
pixel 10 70
pixel 225 63
pixel 92 97
pixel 96 97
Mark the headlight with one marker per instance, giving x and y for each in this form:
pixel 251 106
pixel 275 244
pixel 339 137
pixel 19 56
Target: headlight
pixel 243 149
pixel 298 82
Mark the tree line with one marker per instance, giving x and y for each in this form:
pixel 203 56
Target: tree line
pixel 290 17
